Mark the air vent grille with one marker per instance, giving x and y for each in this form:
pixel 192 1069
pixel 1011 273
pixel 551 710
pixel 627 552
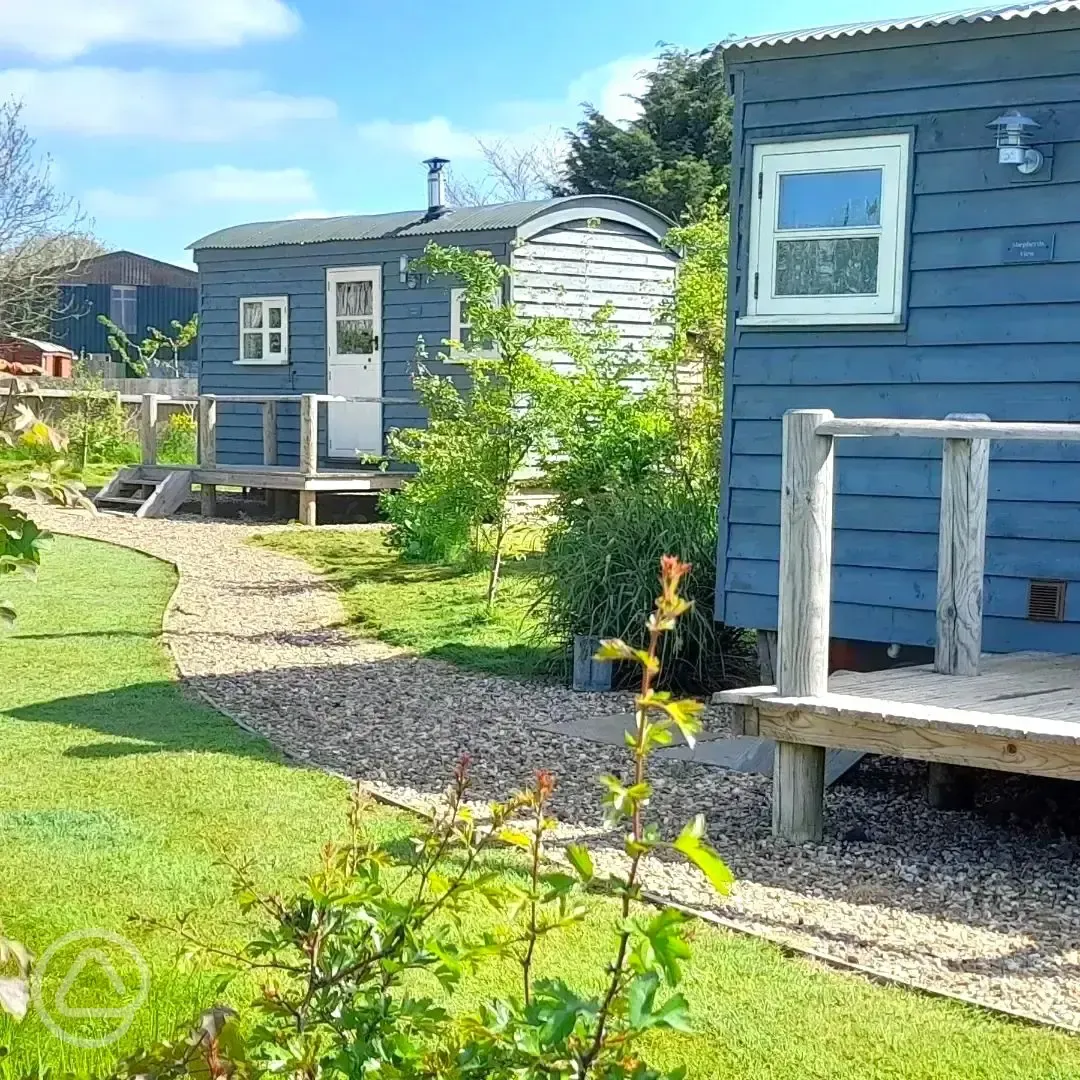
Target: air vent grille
pixel 1046 600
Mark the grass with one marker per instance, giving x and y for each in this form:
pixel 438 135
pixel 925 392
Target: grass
pixel 16 468
pixel 434 610
pixel 116 792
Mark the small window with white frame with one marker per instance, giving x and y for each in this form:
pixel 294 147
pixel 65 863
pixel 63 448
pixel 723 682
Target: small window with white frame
pixel 461 331
pixel 264 330
pixel 828 229
pixel 124 307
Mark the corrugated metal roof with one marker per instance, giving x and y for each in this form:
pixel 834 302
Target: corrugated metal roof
pixel 948 18
pixel 128 268
pixel 381 226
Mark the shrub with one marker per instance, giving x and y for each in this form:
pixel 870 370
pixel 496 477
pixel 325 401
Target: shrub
pixel 98 428
pixel 639 474
pixel 595 578
pixel 471 453
pixel 337 960
pixel 177 444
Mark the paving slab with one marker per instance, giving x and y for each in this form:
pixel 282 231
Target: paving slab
pixel 739 753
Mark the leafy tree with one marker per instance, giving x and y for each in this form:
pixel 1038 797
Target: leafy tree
pixel 676 155
pixel 138 358
pixel 478 439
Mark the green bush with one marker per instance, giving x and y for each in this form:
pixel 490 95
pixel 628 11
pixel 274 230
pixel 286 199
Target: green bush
pixel 597 575
pixel 98 429
pixel 177 443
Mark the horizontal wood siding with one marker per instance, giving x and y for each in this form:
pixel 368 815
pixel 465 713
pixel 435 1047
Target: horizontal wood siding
pixel 78 307
pixel 573 271
pixel 299 272
pixel 979 335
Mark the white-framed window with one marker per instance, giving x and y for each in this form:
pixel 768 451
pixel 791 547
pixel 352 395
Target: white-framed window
pixel 461 331
pixel 264 330
pixel 124 307
pixel 828 230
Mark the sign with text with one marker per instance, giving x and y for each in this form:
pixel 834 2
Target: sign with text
pixel 1033 248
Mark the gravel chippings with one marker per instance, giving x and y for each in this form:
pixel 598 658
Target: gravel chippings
pixel 983 904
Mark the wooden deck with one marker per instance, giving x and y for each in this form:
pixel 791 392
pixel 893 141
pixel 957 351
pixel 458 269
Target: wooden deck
pixel 1021 713
pixel 1018 713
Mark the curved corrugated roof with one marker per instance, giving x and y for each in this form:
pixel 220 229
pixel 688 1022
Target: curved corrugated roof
pixel 402 223
pixel 947 18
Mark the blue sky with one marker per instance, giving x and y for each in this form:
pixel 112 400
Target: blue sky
pixel 167 119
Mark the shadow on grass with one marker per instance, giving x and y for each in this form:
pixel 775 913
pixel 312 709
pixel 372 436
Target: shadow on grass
pixel 146 718
pixel 510 661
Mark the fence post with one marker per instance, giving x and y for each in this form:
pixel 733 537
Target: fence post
pixel 148 418
pixel 806 523
pixel 269 432
pixel 965 481
pixel 208 451
pixel 309 453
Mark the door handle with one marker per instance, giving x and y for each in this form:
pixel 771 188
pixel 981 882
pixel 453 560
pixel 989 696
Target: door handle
pixel 375 343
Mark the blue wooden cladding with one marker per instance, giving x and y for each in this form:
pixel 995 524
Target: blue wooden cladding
pixel 76 323
pixel 991 324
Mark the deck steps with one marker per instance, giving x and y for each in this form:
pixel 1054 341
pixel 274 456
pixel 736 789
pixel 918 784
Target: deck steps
pixel 129 492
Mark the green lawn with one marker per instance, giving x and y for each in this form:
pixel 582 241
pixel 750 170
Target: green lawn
pixel 95 475
pixel 116 793
pixel 434 610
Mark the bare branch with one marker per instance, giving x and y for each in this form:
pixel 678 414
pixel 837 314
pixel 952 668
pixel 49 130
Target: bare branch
pixel 512 173
pixel 43 233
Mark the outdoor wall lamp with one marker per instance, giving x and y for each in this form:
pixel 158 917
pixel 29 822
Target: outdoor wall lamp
pixel 1015 133
pixel 408 277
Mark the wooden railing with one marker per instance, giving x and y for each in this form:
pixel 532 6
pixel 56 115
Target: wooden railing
pixel 806 529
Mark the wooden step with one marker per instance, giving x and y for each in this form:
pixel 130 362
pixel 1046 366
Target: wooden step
pixel 159 497
pixel 121 500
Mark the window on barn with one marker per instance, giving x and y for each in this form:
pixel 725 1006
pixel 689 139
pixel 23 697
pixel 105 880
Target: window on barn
pixel 264 330
pixel 123 307
pixel 828 224
pixel 461 331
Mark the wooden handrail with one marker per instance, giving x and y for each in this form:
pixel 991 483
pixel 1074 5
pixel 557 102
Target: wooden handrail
pixel 805 583
pixel 865 427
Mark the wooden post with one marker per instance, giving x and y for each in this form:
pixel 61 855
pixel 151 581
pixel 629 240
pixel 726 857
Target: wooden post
pixel 208 451
pixel 269 432
pixel 309 453
pixel 148 418
pixel 965 476
pixel 270 449
pixel 965 482
pixel 806 521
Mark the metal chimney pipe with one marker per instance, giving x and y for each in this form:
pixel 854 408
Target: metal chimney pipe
pixel 436 185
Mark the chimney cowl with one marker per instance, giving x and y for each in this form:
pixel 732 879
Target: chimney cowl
pixel 436 186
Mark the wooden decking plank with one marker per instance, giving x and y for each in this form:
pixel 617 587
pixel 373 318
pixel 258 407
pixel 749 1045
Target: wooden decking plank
pixel 962 744
pixel 908 714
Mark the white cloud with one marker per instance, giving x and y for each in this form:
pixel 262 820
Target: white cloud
pixel 213 106
pixel 611 88
pixel 193 187
pixel 423 138
pixel 64 29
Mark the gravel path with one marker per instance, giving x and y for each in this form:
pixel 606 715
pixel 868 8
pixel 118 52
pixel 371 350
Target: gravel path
pixel 985 904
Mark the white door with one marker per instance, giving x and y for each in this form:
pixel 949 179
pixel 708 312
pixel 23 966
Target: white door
pixel 354 360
